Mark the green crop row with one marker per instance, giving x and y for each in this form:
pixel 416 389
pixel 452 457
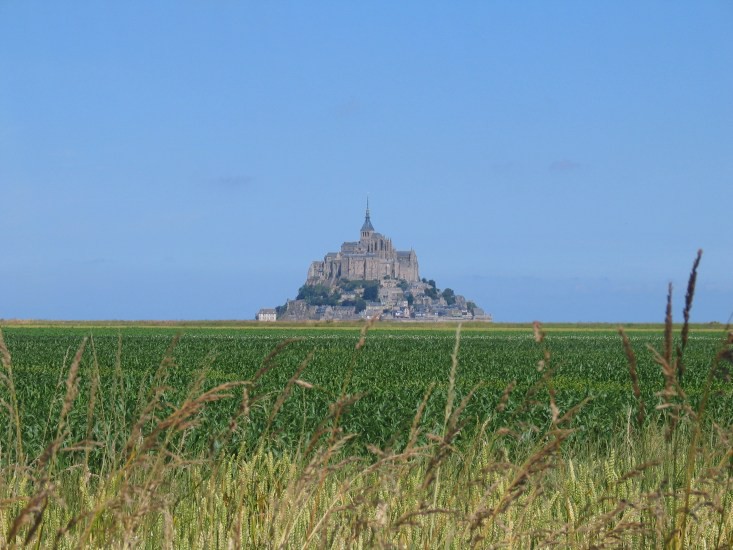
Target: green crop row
pixel 392 373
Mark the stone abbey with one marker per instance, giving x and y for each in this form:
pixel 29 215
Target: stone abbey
pixel 368 279
pixel 372 257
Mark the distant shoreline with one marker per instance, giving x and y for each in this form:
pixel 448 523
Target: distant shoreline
pixel 381 325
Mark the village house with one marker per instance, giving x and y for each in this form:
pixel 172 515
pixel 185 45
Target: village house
pixel 267 315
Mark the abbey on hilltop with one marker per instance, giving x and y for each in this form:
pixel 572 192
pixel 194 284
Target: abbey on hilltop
pixel 369 278
pixel 372 257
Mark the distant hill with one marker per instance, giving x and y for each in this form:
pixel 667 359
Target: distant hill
pixel 370 278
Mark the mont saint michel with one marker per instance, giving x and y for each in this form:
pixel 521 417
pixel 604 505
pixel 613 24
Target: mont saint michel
pixel 371 258
pixel 370 278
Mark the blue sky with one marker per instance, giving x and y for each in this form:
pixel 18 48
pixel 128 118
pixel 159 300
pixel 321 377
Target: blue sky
pixel 560 161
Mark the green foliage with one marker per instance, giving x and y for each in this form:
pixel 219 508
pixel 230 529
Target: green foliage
pixel 431 292
pixel 349 285
pixel 359 304
pixel 371 288
pixel 318 295
pixel 403 285
pixel 449 296
pixel 431 282
pixel 395 369
pixel 371 292
pixel 471 306
pixel 410 299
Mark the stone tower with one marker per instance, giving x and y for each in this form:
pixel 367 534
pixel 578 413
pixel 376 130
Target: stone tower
pixel 367 229
pixel 372 257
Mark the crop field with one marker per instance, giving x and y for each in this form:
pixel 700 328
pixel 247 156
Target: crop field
pixel 343 437
pixel 392 373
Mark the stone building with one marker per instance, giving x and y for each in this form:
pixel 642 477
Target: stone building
pixel 372 257
pixel 266 314
pixel 369 278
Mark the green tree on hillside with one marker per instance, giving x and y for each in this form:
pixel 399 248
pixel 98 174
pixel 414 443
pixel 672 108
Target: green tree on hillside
pixel 280 310
pixel 318 295
pixel 371 292
pixel 359 304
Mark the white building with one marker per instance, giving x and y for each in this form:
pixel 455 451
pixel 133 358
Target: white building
pixel 267 315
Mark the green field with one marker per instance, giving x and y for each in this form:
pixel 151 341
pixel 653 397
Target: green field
pixel 121 436
pixel 391 373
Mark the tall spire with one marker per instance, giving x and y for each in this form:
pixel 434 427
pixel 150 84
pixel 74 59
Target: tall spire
pixel 367 227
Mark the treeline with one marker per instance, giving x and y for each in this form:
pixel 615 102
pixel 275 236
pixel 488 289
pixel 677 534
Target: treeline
pixel 322 295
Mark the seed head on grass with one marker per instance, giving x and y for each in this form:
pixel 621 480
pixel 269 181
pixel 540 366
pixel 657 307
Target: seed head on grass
pixel 689 296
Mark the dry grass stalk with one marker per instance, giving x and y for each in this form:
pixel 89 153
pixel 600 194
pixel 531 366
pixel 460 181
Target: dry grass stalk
pixel 689 295
pixel 13 410
pixel 285 393
pixel 668 328
pixel 504 399
pixel 631 360
pixel 91 407
pixel 32 513
pixel 539 334
pixel 269 362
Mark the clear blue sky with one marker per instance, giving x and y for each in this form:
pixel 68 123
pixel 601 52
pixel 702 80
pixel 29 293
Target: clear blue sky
pixel 560 161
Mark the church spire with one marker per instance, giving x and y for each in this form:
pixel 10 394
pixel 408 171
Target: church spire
pixel 367 227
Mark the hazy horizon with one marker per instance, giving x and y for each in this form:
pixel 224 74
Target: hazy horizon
pixel 560 162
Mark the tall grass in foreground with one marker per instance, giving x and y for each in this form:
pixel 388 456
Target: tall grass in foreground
pixel 664 482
